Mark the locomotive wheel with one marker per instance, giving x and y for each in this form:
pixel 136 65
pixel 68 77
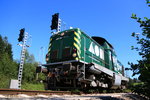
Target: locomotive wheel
pixel 83 85
pixel 74 83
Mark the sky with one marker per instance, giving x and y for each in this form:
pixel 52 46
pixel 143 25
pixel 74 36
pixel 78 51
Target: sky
pixel 110 19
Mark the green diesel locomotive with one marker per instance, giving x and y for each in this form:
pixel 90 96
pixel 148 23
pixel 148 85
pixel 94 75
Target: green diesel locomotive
pixel 76 60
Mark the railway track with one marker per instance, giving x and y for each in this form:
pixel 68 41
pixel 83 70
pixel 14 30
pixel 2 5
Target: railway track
pixel 65 95
pixel 32 92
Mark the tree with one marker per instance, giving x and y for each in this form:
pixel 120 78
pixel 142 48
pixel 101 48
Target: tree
pixel 29 58
pixel 5 47
pixel 8 67
pixel 29 70
pixel 142 68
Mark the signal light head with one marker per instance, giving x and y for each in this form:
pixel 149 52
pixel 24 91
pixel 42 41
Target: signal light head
pixel 55 21
pixel 21 35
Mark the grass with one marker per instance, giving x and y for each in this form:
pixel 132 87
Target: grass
pixel 33 86
pixel 4 81
pixel 127 90
pixel 75 91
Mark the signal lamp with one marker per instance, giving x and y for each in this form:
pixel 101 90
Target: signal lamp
pixel 38 69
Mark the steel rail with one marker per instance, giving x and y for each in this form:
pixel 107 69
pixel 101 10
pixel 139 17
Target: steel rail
pixel 31 92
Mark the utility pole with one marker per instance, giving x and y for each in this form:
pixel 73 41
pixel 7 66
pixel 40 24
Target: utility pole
pixel 23 39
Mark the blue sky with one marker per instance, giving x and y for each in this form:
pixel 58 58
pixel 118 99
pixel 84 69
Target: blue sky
pixel 105 18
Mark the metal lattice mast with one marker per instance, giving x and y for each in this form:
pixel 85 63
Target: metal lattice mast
pixel 59 25
pixel 22 60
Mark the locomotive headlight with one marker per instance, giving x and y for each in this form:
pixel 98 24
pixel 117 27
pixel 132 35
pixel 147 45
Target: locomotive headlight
pixel 62 34
pixel 47 57
pixel 74 55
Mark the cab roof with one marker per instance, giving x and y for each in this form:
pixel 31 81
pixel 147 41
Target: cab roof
pixel 101 40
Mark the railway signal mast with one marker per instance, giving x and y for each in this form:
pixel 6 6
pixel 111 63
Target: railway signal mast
pixel 56 23
pixel 23 36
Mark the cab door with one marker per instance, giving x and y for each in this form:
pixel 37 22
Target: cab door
pixel 66 47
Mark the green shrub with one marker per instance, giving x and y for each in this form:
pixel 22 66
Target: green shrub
pixel 4 81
